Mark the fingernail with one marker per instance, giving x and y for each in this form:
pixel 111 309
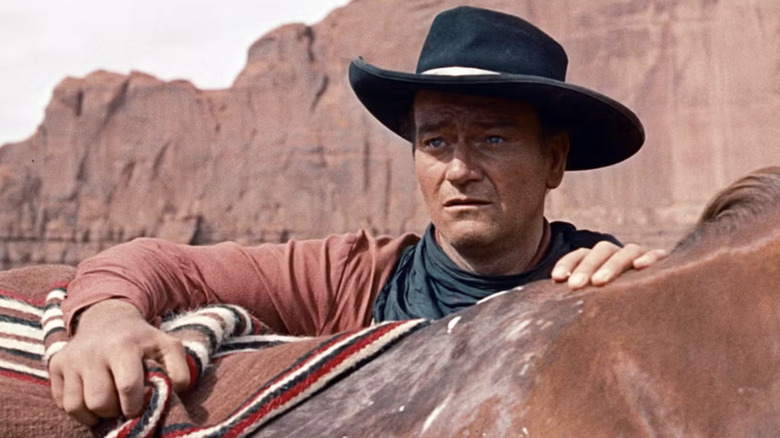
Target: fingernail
pixel 578 280
pixel 642 262
pixel 560 273
pixel 601 276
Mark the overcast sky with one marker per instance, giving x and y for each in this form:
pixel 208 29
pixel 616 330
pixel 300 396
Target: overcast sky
pixel 204 41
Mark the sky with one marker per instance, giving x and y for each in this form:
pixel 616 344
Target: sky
pixel 203 41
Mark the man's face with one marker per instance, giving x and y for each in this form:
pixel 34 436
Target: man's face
pixel 483 169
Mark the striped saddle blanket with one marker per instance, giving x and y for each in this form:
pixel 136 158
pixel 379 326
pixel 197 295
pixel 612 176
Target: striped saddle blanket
pixel 245 375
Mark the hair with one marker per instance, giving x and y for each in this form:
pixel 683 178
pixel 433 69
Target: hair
pixel 406 125
pixel 746 199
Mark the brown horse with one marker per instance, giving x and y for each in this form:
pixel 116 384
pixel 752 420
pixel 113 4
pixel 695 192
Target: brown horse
pixel 689 347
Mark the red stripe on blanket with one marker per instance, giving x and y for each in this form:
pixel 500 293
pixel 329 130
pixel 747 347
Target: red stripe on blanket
pixel 15 337
pixel 39 302
pixel 194 372
pixel 253 420
pixel 296 390
pixel 24 377
pixel 311 356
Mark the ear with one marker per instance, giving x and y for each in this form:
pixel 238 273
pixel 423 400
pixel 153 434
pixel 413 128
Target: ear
pixel 558 150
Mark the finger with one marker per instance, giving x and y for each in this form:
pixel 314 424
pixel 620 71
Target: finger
pixel 616 264
pixel 566 264
pixel 649 258
pixel 99 392
pixel 592 262
pixel 174 360
pixel 129 380
pixel 73 400
pixel 55 379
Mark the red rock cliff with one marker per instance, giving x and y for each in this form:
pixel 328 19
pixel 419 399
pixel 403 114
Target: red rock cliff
pixel 287 151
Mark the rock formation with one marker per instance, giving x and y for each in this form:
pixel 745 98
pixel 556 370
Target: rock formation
pixel 288 152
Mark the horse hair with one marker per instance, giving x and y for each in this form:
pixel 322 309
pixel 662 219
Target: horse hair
pixel 748 198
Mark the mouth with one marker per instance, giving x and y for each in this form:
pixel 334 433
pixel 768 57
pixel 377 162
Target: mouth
pixel 465 202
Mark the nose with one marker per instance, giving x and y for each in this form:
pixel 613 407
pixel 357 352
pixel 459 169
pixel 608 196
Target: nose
pixel 463 166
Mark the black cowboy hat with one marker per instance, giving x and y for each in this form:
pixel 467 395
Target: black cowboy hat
pixel 486 53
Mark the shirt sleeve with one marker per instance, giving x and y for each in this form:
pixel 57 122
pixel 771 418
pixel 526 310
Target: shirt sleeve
pixel 308 287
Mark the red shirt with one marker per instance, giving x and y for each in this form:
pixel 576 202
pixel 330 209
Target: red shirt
pixel 309 287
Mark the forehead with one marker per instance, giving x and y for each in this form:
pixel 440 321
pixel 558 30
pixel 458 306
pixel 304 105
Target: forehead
pixel 448 108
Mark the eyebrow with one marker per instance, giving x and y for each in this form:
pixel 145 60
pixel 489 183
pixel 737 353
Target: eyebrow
pixel 436 125
pixel 432 126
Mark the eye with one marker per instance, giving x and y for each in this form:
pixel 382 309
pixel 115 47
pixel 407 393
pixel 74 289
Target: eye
pixel 494 139
pixel 435 143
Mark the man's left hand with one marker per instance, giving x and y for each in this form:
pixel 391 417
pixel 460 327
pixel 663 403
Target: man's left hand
pixel 603 263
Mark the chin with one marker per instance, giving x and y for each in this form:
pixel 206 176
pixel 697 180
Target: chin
pixel 468 235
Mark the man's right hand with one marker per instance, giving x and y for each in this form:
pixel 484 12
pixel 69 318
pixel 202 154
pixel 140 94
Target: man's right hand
pixel 100 372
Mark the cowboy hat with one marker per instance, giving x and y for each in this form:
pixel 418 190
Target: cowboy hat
pixel 487 53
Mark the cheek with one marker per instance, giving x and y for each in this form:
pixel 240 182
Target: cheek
pixel 426 177
pixel 521 184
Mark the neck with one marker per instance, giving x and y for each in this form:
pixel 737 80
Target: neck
pixel 508 257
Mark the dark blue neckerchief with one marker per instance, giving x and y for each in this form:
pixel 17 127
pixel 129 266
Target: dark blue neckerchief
pixel 427 284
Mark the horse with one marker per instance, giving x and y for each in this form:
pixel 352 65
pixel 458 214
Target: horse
pixel 690 347
pixel 687 347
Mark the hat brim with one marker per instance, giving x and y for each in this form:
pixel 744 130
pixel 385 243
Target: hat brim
pixel 602 131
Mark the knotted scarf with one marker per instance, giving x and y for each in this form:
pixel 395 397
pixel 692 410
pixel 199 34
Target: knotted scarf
pixel 427 284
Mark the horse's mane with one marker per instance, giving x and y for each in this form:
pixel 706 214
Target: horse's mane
pixel 746 200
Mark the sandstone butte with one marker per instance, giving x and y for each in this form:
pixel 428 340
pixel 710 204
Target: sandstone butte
pixel 287 151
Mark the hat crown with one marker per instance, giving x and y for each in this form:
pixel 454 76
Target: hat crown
pixel 493 41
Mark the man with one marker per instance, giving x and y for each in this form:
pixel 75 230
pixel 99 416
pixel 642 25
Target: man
pixel 493 127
